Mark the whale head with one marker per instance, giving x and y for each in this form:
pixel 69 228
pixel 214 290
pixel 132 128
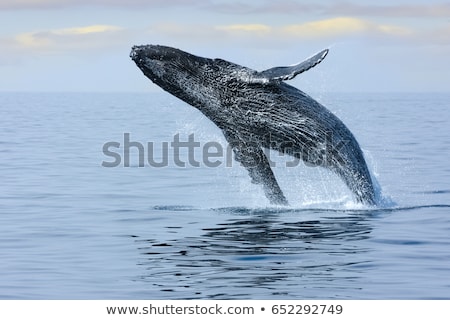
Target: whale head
pixel 196 80
pixel 165 66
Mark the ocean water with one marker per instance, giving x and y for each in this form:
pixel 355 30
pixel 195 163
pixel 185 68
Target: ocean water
pixel 73 225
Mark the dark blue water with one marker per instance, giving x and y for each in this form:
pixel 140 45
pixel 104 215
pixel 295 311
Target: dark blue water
pixel 71 228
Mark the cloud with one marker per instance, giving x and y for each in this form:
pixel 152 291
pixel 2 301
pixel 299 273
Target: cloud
pixel 201 33
pixel 285 7
pixel 64 42
pixel 86 30
pixel 289 7
pixel 270 7
pixel 331 30
pixel 59 4
pixel 339 8
pixel 345 26
pixel 92 38
pixel 423 10
pixel 57 40
pixel 328 27
pixel 31 4
pixel 251 28
pixel 334 28
pixel 192 33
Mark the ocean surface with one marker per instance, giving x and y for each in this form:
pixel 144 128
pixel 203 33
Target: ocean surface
pixel 83 218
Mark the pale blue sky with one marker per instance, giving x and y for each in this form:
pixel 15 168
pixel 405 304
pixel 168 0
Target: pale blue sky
pixel 70 45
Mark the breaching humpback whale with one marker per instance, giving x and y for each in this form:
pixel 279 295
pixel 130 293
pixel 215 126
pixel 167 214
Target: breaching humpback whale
pixel 257 110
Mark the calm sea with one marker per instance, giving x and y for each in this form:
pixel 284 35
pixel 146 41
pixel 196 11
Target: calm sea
pixel 74 225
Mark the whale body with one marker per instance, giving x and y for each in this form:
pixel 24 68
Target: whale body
pixel 257 110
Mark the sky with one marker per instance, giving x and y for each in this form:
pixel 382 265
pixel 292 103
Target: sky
pixel 84 45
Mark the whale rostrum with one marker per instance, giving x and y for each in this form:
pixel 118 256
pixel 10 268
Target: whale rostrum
pixel 257 111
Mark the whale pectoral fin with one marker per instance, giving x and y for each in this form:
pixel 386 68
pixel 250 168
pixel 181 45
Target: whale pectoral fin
pixel 252 157
pixel 289 72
